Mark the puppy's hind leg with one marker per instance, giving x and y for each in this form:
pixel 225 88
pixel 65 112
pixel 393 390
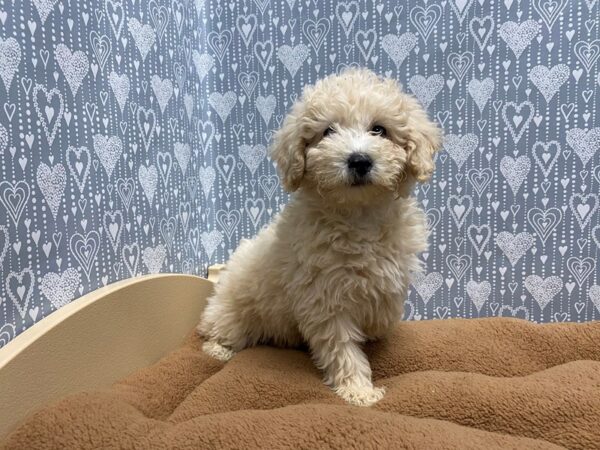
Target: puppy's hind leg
pixel 206 329
pixel 222 330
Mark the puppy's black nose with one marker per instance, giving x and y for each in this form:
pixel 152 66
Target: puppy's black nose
pixel 360 164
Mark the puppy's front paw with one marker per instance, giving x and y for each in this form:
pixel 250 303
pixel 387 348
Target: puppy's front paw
pixel 360 395
pixel 218 351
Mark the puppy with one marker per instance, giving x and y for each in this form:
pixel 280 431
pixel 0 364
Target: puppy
pixel 332 270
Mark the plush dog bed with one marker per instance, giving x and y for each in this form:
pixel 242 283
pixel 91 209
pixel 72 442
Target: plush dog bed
pixel 485 383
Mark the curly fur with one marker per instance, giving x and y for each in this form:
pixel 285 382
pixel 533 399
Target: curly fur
pixel 332 269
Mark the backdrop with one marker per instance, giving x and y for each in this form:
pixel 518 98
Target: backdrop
pixel 134 136
pixel 99 158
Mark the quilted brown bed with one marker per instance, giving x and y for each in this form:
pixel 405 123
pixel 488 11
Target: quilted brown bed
pixel 465 384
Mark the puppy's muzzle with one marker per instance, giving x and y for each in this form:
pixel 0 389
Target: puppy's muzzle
pixel 359 166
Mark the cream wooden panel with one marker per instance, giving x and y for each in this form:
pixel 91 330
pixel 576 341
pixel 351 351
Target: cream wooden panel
pixel 98 339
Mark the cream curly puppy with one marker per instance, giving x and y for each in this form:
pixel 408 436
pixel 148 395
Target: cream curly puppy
pixel 332 270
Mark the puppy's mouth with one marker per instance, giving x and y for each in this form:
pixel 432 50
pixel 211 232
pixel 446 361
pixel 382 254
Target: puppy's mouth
pixel 362 181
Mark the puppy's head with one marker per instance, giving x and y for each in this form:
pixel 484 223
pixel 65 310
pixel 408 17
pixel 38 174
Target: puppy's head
pixel 353 136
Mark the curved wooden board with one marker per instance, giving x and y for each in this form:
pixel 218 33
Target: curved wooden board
pixel 97 339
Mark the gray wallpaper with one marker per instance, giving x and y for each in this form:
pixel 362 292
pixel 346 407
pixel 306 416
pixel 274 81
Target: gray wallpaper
pixel 100 155
pixel 514 202
pixel 134 135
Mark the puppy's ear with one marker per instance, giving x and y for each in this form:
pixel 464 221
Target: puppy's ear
pixel 424 139
pixel 288 149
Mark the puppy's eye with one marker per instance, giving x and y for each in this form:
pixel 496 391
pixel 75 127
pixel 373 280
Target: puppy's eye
pixel 378 130
pixel 328 131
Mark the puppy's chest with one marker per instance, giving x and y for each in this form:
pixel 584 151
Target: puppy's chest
pixel 358 245
pixel 363 264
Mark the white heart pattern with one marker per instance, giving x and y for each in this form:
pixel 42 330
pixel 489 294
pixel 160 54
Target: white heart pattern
pixel 60 288
pixel 10 58
pixel 460 147
pixel 549 81
pixel 515 171
pixel 479 293
pixel 399 47
pixel 543 290
pixel 120 86
pixel 585 142
pixel 74 65
pixel 427 285
pixel 19 287
pixel 293 57
pixel 154 257
pixel 52 181
pixel 143 36
pixel 426 89
pixel 108 149
pixel 519 36
pixel 514 246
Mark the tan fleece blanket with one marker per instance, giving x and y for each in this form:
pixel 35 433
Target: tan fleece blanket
pixel 453 384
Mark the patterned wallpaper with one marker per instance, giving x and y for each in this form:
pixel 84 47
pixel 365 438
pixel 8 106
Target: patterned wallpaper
pixel 514 202
pixel 134 135
pixel 99 150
